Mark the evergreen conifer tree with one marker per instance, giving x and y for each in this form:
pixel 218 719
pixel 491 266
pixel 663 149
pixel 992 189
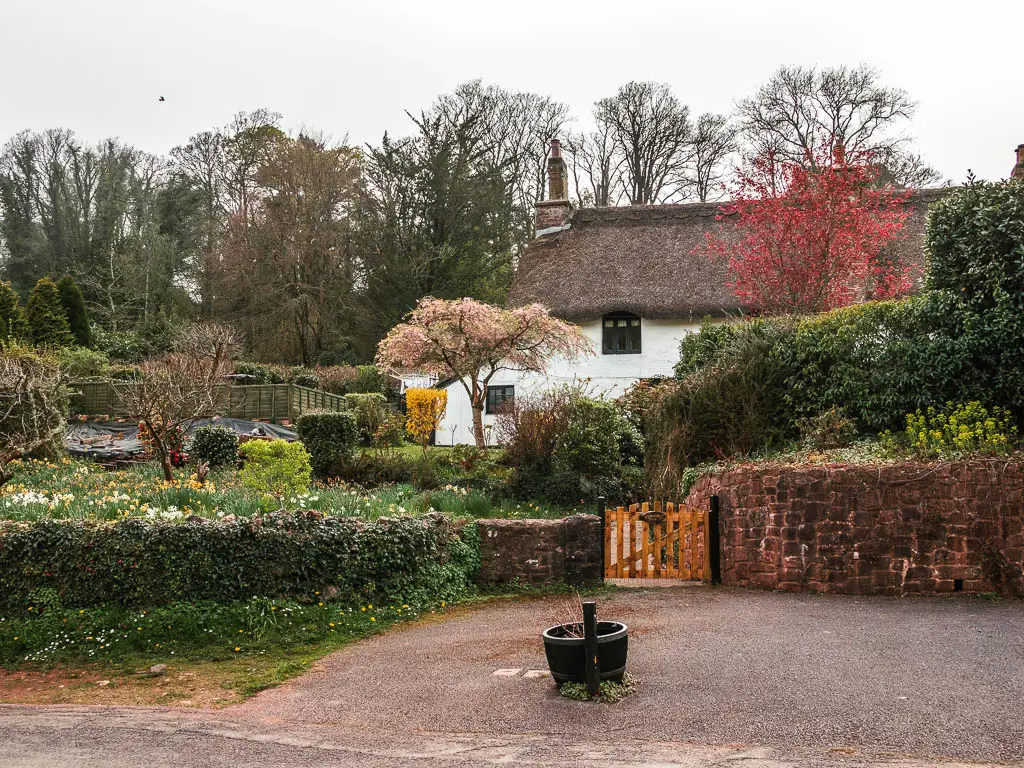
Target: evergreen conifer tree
pixel 74 309
pixel 12 317
pixel 47 323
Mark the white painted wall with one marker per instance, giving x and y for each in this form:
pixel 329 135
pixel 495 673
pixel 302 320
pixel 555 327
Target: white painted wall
pixel 607 375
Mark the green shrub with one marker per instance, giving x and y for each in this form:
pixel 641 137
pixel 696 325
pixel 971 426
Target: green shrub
pixel 12 316
pixel 303 377
pixel 697 350
pixel 47 323
pixel 959 429
pixel 83 363
pixel 877 361
pixel 827 430
pixel 329 438
pixel 261 374
pixel 138 562
pixel 371 412
pixel 74 309
pixel 275 467
pixel 217 446
pixel 368 379
pixel 975 245
pixel 122 346
pixel 734 406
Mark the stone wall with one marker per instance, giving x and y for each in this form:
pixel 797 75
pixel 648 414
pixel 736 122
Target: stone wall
pixel 541 552
pixel 893 530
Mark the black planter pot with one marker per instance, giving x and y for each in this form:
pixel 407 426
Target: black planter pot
pixel 567 656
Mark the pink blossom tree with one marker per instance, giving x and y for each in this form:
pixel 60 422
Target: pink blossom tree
pixel 471 341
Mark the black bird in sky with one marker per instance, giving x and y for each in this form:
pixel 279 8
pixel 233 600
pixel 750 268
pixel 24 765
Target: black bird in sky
pixel 162 99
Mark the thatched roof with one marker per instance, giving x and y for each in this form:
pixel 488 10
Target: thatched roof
pixel 639 259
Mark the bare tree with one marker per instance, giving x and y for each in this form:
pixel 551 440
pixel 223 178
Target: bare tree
pixel 596 166
pixel 714 140
pixel 802 109
pixel 169 394
pixel 216 343
pixel 33 406
pixel 651 129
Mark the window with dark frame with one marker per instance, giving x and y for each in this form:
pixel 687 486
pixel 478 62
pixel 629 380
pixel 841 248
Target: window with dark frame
pixel 498 396
pixel 620 334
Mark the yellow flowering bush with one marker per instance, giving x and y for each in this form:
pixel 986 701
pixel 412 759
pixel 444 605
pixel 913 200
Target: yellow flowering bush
pixel 424 410
pixel 959 429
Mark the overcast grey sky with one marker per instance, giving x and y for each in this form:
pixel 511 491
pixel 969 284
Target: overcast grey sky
pixel 99 66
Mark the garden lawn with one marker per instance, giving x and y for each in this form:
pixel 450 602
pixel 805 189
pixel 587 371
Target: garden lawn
pixel 68 488
pixel 215 654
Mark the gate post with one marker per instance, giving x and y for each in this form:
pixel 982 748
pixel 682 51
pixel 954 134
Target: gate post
pixel 601 514
pixel 714 541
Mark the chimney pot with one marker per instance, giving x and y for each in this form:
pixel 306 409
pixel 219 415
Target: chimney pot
pixel 556 148
pixel 839 152
pixel 1018 169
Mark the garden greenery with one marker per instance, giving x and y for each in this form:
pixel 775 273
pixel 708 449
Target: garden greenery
pixel 330 438
pixel 137 562
pixel 275 467
pixel 752 386
pixel 215 445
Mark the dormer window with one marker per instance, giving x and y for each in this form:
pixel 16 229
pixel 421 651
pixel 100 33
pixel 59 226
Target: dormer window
pixel 620 334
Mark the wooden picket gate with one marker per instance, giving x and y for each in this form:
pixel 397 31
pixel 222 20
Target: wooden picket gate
pixel 648 541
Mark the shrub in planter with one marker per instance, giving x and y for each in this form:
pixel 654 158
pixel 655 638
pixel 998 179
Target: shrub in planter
pixel 217 446
pixel 275 467
pixel 329 437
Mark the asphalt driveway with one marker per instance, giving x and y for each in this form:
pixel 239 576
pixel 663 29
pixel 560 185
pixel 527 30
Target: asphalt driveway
pixel 726 675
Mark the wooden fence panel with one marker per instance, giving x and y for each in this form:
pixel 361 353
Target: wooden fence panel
pixel 259 402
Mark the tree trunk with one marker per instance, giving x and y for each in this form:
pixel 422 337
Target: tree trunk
pixel 478 425
pixel 165 464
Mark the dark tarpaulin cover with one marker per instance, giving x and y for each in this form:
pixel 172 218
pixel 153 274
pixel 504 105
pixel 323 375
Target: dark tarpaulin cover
pixel 117 439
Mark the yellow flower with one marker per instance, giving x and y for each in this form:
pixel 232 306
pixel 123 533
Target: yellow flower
pixel 372 618
pixel 237 649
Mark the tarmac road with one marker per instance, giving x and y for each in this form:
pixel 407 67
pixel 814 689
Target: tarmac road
pixel 728 677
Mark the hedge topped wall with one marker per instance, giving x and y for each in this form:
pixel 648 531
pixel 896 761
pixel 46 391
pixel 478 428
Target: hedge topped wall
pixel 899 529
pixel 296 555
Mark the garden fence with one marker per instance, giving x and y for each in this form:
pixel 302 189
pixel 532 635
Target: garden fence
pixel 258 402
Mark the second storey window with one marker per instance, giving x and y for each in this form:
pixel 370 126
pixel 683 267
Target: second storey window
pixel 499 398
pixel 620 334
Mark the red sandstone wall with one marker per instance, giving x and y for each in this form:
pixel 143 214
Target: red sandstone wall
pixel 891 530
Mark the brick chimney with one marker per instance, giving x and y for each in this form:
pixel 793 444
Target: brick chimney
pixel 1018 169
pixel 554 212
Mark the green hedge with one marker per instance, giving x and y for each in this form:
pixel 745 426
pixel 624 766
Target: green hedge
pixel 136 562
pixel 330 438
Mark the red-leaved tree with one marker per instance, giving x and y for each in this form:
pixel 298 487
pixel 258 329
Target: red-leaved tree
pixel 803 241
pixel 471 341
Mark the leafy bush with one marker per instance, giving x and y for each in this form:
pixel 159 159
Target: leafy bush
pixel 136 562
pixel 74 309
pixel 261 374
pixel 123 346
pixel 567 447
pixel 371 411
pixel 960 429
pixel 217 446
pixel 368 379
pixel 877 361
pixel 329 438
pixel 827 430
pixel 47 323
pixel 304 377
pixel 424 410
pixel 12 317
pixel 975 244
pixel 83 363
pixel 733 406
pixel 275 467
pixel 697 350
